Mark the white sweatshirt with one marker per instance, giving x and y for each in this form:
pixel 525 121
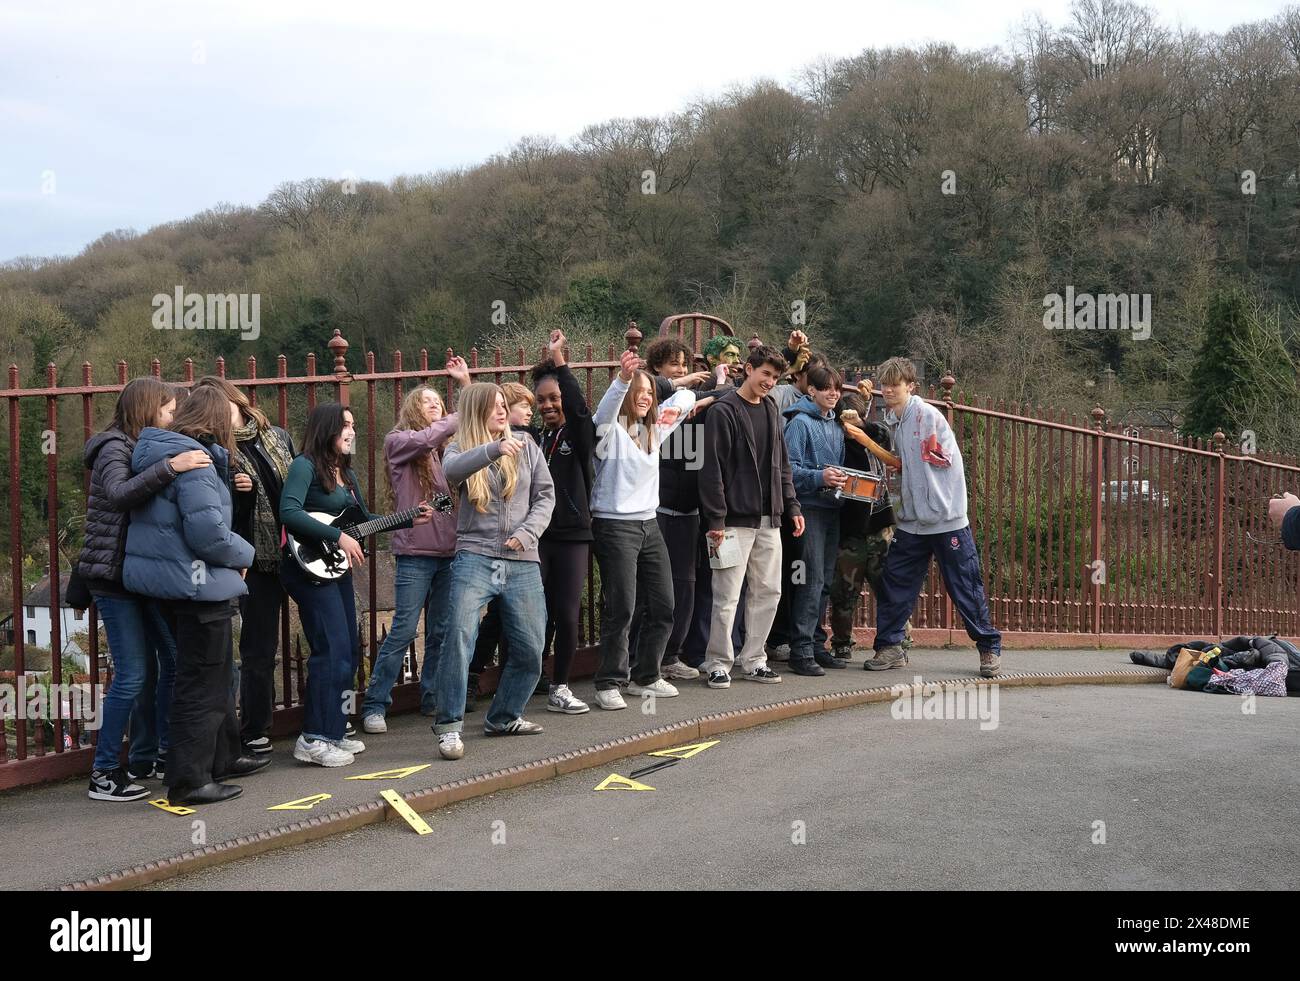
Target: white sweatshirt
pixel 626 487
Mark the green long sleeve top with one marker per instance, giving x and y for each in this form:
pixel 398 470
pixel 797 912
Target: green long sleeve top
pixel 303 492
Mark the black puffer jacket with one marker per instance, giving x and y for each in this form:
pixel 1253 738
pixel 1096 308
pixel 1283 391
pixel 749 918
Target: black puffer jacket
pixel 1248 653
pixel 114 491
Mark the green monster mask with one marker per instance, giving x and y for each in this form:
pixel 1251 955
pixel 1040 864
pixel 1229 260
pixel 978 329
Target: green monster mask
pixel 721 350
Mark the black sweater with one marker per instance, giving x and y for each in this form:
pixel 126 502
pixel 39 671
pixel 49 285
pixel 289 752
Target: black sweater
pixel 568 451
pixel 731 480
pixel 682 455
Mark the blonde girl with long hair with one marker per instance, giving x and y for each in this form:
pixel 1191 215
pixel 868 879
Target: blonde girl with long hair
pixel 506 499
pixel 413 452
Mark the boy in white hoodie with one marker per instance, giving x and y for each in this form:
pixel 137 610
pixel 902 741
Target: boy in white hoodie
pixel 932 521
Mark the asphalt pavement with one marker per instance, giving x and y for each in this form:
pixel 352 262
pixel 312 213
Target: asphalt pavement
pixel 1108 787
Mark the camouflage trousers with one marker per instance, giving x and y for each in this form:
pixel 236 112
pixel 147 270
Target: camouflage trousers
pixel 860 561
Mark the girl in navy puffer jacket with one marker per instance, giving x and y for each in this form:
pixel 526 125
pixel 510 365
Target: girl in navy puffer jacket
pixel 180 547
pixel 144 653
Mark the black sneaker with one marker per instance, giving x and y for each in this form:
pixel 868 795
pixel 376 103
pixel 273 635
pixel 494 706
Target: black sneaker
pixel 828 661
pixel 719 679
pixel 349 731
pixel 148 771
pixel 765 676
pixel 258 747
pixel 806 666
pixel 114 785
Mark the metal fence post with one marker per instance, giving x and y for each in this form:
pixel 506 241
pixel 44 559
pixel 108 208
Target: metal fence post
pixel 1099 423
pixel 1218 533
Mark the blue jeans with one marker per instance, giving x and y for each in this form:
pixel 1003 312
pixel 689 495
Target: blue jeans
pixel 475 579
pixel 421 583
pixel 152 713
pixel 143 652
pixel 821 545
pixel 329 618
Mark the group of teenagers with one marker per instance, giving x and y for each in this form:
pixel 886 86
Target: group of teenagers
pixel 712 501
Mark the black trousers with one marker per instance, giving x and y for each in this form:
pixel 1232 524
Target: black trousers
pixel 564 572
pixel 259 639
pixel 490 637
pixel 204 729
pixel 680 531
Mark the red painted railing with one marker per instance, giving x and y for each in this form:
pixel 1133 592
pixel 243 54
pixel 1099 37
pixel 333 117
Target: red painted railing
pixel 1088 537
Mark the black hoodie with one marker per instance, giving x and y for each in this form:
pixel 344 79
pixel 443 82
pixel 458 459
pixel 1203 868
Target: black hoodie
pixel 568 451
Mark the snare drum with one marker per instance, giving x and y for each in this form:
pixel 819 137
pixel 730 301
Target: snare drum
pixel 861 486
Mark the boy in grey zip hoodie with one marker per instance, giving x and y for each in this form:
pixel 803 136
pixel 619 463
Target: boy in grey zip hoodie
pixel 932 521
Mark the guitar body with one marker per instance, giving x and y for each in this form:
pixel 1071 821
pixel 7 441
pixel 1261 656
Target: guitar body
pixel 324 561
pixel 321 559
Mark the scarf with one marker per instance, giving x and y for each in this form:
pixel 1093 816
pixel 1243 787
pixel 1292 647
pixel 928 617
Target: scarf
pixel 266 530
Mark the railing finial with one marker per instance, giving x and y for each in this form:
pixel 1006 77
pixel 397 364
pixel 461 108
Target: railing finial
pixel 633 336
pixel 339 347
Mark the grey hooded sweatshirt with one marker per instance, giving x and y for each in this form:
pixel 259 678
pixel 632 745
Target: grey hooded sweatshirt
pixel 524 516
pixel 933 498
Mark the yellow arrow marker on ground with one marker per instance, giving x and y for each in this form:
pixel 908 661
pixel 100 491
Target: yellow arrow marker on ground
pixel 162 804
pixel 397 774
pixel 302 803
pixel 615 782
pixel 404 809
pixel 685 752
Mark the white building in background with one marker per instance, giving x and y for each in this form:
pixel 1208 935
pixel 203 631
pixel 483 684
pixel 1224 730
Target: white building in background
pixel 38 620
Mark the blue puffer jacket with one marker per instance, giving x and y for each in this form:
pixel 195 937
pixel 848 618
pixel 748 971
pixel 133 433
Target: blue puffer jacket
pixel 180 544
pixel 814 442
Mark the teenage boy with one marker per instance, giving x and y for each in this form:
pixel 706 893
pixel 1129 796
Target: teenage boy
pixel 865 531
pixel 745 488
pixel 931 514
pixel 815 443
pixel 781 636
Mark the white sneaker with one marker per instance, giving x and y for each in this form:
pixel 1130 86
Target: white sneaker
pixel 450 746
pixel 610 699
pixel 354 746
pixel 680 671
pixel 320 752
pixel 660 689
pixel 374 724
pixel 563 700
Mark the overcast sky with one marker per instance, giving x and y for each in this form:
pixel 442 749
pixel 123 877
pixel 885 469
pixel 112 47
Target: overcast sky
pixel 129 114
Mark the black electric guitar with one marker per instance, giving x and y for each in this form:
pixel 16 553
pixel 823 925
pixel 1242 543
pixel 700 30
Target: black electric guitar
pixel 323 560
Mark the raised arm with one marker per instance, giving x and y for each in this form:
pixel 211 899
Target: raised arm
pixel 403 445
pixel 458 464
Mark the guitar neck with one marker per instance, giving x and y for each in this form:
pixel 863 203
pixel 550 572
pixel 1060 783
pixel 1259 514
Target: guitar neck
pixel 377 525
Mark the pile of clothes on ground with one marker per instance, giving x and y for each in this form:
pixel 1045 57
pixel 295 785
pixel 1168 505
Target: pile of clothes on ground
pixel 1240 666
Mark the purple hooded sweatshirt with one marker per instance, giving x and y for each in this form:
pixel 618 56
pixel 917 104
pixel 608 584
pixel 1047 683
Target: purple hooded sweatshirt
pixel 402 449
